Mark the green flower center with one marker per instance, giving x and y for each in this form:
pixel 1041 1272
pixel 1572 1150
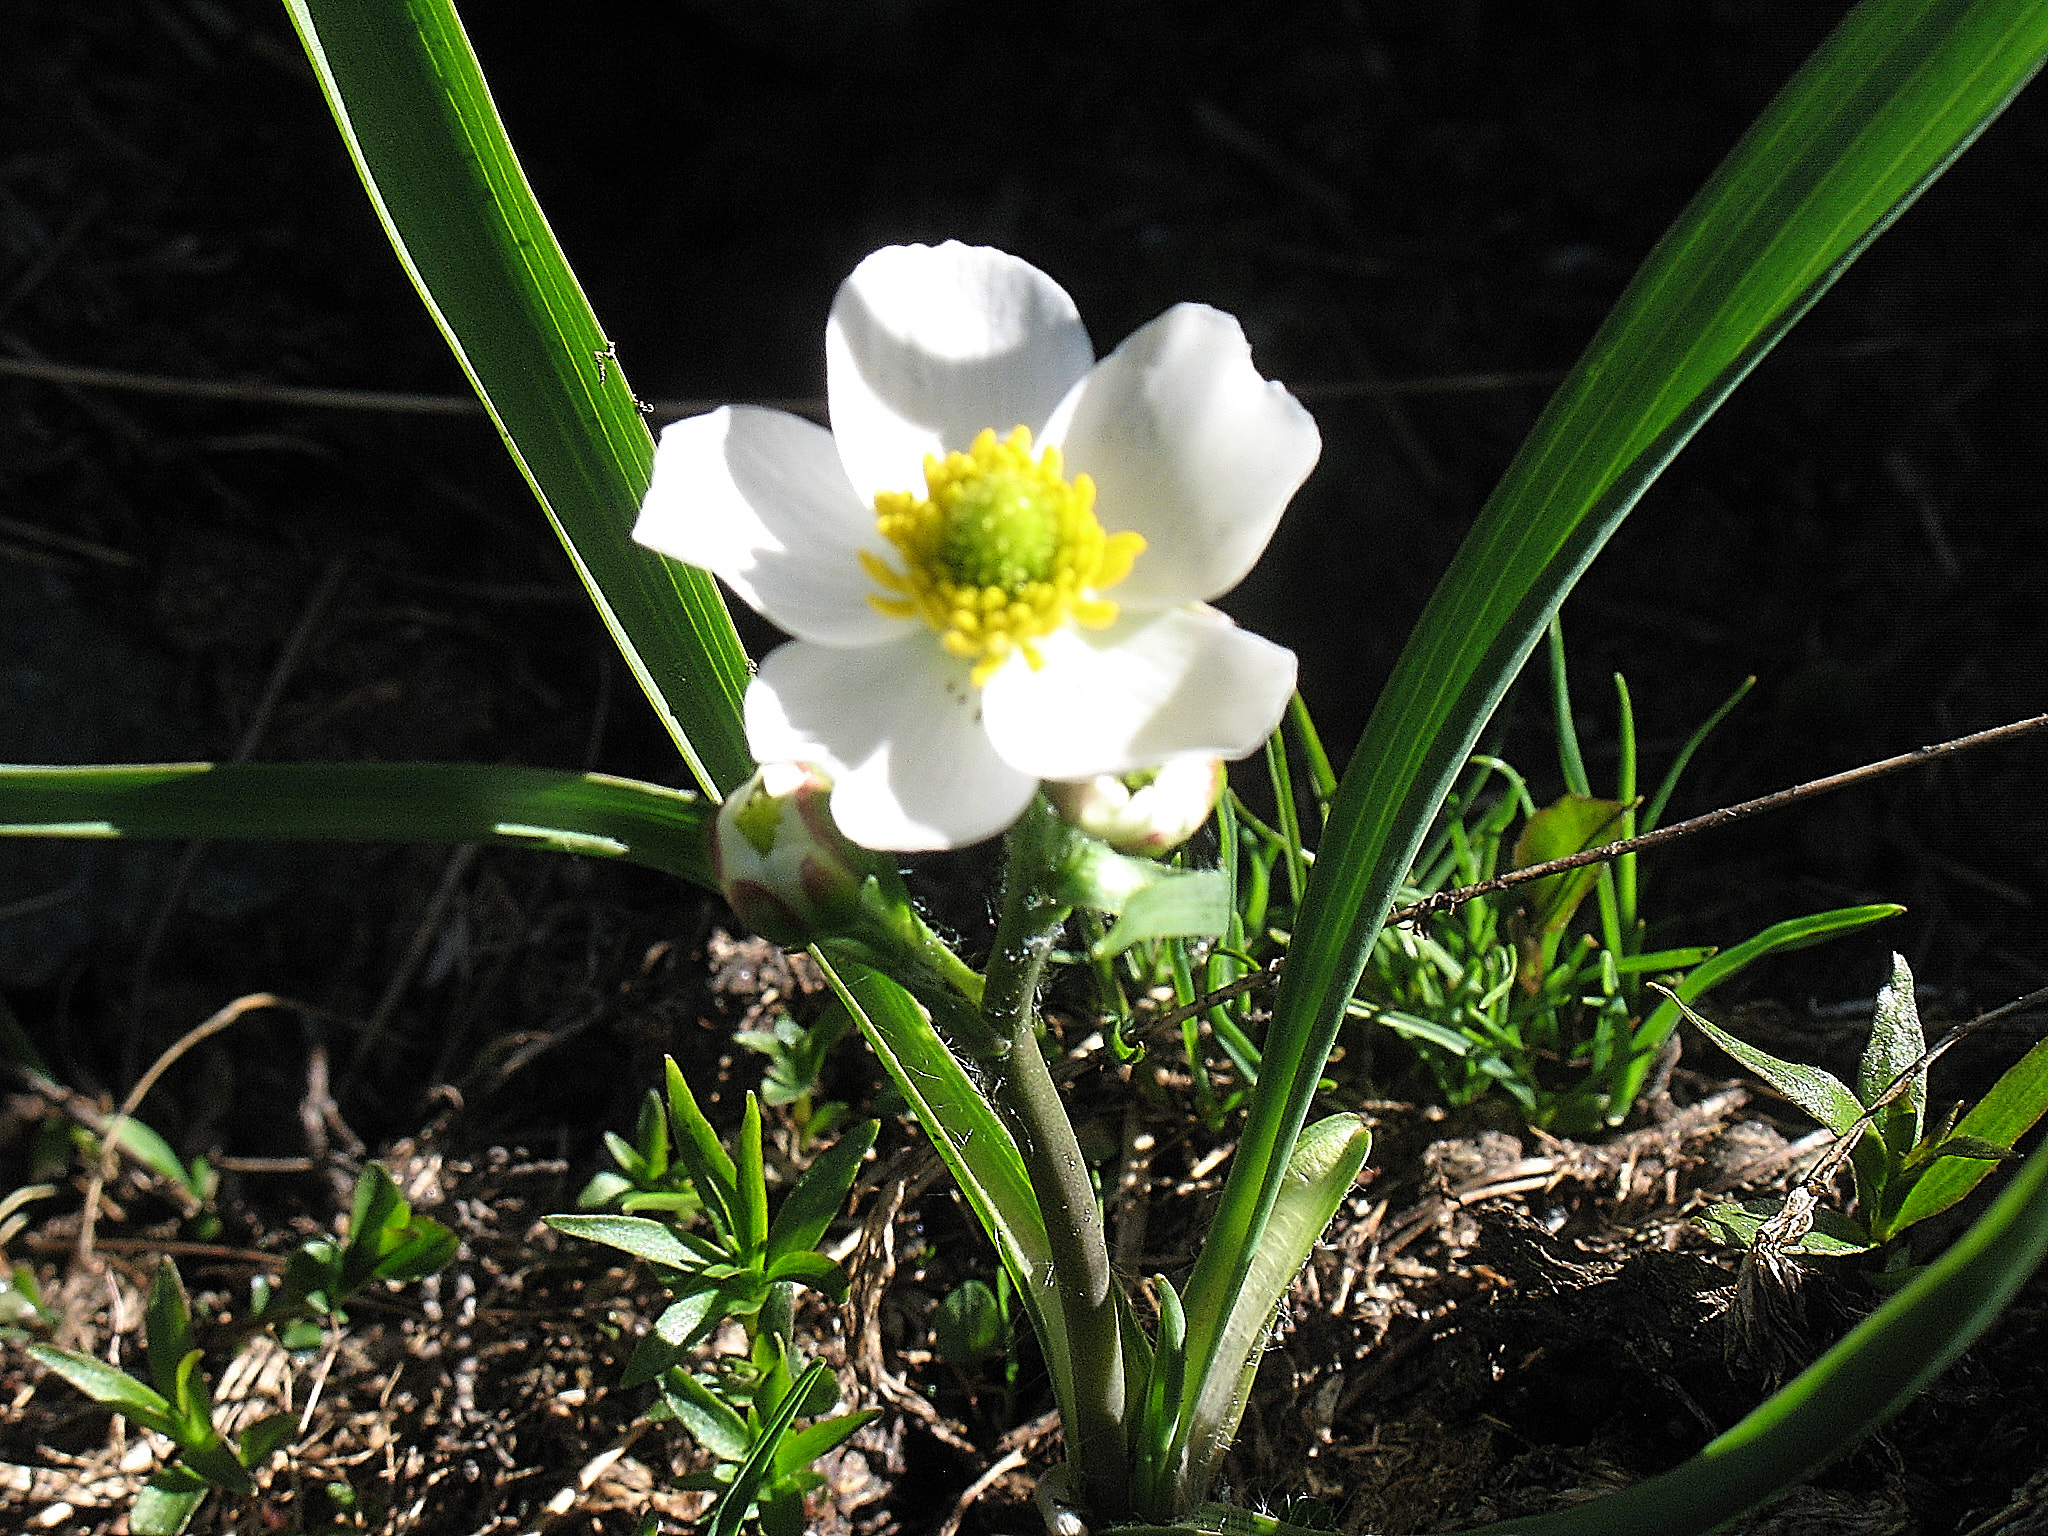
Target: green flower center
pixel 1000 551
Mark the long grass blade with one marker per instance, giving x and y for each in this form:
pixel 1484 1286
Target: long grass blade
pixel 1880 110
pixel 421 128
pixel 587 813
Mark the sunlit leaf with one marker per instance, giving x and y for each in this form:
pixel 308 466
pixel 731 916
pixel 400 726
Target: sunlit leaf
pixel 425 137
pixel 1879 111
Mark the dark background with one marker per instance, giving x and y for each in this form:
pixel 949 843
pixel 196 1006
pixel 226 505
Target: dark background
pixel 1408 193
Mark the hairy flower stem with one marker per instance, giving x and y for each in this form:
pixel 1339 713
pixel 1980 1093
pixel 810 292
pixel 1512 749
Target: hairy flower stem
pixel 1081 1278
pixel 887 907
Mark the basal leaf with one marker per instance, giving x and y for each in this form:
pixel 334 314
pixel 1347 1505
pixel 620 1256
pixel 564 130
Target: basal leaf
pixel 1879 111
pixel 425 137
pixel 587 813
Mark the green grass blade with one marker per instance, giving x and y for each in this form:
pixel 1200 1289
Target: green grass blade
pixel 965 1130
pixel 1654 812
pixel 731 1509
pixel 1886 103
pixel 1845 1394
pixel 420 126
pixel 589 813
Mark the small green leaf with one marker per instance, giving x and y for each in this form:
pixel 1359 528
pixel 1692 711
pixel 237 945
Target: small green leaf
pixel 697 1147
pixel 1567 826
pixel 1814 1089
pixel 210 1458
pixel 377 1214
pixel 191 1401
pixel 1164 1380
pixel 781 1513
pixel 1178 903
pixel 2005 1114
pixel 637 1235
pixel 150 1148
pixel 651 1133
pixel 706 1416
pixel 1832 1235
pixel 422 1248
pixel 167 1502
pixel 1896 1044
pixel 630 1162
pixel 808 1209
pixel 267 1435
pixel 108 1385
pixel 1972 1147
pixel 168 1321
pixel 750 1180
pixel 680 1204
pixel 681 1325
pixel 809 1267
pixel 808 1444
pixel 968 1327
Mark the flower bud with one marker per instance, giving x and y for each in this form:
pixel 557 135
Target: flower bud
pixel 1152 811
pixel 784 868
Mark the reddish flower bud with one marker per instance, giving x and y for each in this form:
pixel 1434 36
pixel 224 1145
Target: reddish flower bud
pixel 784 867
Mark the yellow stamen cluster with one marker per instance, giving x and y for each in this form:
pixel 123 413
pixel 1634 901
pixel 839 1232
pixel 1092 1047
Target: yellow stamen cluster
pixel 1001 551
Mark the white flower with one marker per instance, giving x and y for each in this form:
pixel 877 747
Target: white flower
pixel 997 566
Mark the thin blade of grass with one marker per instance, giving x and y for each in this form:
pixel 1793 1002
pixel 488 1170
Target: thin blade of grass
pixel 424 134
pixel 587 813
pixel 1879 111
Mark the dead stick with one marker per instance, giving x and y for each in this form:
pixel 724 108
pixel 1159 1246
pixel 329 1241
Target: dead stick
pixel 1444 900
pixel 1724 817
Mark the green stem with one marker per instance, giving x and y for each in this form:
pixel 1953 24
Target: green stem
pixel 887 906
pixel 1025 1091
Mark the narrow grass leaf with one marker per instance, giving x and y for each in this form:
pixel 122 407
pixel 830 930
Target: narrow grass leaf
pixel 1881 109
pixel 419 123
pixel 730 1510
pixel 1792 934
pixel 588 813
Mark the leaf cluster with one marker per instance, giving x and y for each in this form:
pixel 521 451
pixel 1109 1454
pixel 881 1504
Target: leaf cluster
pixel 714 1248
pixel 1517 992
pixel 1904 1171
pixel 386 1243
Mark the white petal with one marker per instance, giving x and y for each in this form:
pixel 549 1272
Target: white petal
pixel 1150 687
pixel 927 345
pixel 758 497
pixel 1189 446
pixel 898 728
